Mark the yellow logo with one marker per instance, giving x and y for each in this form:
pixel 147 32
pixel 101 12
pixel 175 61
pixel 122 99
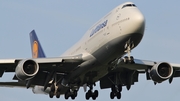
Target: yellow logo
pixel 35 49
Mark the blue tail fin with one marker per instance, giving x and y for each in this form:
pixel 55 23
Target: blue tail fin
pixel 37 51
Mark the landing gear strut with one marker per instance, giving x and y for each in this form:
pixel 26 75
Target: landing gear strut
pixel 128 46
pixel 116 87
pixel 92 94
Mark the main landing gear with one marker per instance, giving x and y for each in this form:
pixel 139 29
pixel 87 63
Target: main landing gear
pixel 94 94
pixel 116 91
pixel 55 87
pixel 55 90
pixel 70 93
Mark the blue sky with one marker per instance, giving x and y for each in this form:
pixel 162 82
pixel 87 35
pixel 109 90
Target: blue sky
pixel 59 24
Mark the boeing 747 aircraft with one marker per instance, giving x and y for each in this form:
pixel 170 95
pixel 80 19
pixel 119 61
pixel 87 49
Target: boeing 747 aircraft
pixel 98 56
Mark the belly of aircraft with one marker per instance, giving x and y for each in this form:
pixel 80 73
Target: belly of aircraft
pixel 116 48
pixel 106 54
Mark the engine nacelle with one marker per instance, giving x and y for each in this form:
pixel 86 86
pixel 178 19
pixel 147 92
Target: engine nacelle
pixel 26 69
pixel 161 72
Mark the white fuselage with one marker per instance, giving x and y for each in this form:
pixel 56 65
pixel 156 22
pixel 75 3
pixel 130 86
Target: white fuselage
pixel 104 42
pixel 107 39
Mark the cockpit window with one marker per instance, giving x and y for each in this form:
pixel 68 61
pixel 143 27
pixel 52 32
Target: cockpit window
pixel 129 5
pixel 134 5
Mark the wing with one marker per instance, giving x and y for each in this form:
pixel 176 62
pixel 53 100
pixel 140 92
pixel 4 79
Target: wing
pixel 126 73
pixel 39 68
pixel 13 84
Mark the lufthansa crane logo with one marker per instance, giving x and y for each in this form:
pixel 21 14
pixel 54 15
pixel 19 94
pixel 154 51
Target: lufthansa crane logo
pixel 35 49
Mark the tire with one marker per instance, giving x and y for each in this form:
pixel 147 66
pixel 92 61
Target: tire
pixel 75 93
pixel 66 96
pixel 96 93
pixel 94 97
pixel 87 96
pixel 132 60
pixel 126 60
pixel 51 94
pixel 58 94
pixel 112 95
pixel 118 94
pixel 72 97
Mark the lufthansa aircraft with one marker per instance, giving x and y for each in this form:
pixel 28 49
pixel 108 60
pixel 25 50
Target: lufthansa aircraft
pixel 98 56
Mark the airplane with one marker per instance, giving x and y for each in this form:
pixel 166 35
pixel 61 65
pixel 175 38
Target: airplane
pixel 102 55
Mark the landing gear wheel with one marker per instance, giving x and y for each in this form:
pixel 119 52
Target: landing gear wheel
pixel 66 96
pixel 131 61
pixel 88 94
pixel 112 95
pixel 94 97
pixel 72 97
pixel 75 93
pixel 126 59
pixel 57 94
pixel 96 93
pixel 51 94
pixel 118 95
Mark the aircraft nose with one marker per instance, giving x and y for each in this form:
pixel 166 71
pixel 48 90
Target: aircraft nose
pixel 138 22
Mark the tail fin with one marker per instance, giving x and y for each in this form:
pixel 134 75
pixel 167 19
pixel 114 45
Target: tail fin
pixel 37 51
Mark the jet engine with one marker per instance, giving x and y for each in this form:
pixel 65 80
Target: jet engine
pixel 161 72
pixel 26 69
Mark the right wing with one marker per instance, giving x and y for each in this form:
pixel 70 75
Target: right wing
pixel 38 67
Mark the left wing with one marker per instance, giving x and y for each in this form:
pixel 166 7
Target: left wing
pixel 126 73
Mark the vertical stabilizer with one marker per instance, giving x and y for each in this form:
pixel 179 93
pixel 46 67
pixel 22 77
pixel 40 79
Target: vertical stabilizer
pixel 37 51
